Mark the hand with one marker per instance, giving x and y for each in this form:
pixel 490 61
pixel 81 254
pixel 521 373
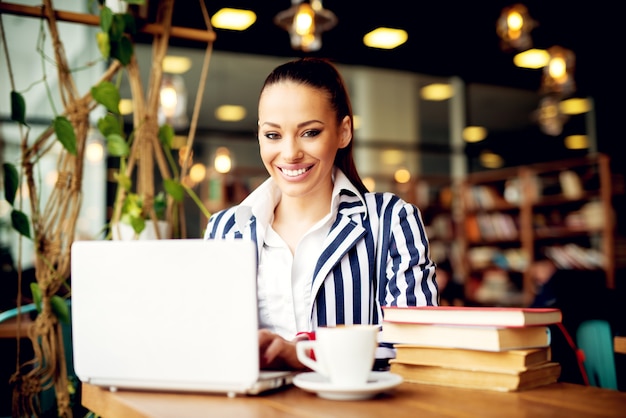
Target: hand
pixel 277 353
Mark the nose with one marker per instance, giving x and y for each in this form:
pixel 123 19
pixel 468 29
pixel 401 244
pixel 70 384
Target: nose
pixel 291 149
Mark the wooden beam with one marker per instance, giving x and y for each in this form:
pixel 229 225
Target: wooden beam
pixel 93 20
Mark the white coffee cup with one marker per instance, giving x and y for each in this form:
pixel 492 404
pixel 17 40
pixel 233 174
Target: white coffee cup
pixel 344 354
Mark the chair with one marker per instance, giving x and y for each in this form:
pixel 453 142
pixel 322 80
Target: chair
pixel 595 339
pixel 12 313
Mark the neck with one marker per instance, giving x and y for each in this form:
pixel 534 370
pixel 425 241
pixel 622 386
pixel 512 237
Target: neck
pixel 294 216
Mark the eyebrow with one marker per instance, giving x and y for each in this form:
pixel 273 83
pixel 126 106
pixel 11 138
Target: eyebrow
pixel 300 125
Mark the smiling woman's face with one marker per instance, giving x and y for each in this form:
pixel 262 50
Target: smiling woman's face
pixel 299 137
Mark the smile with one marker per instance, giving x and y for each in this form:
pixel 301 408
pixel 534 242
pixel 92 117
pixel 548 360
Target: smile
pixel 294 173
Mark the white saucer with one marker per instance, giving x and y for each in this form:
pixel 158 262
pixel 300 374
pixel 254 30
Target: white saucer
pixel 378 382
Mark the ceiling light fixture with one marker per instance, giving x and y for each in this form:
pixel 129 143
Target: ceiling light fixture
pixel 176 64
pixel 532 58
pixel 489 159
pixel 514 26
pixel 385 38
pixel 230 113
pixel 575 106
pixel 233 19
pixel 558 75
pixel 549 116
pixel 474 133
pixel 576 142
pixel 305 21
pixel 437 92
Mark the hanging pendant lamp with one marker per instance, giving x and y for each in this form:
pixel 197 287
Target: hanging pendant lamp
pixel 306 21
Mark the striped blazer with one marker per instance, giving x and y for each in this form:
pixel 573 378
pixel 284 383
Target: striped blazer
pixel 376 254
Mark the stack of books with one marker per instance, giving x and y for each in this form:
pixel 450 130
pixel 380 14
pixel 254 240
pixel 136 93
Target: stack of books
pixel 500 349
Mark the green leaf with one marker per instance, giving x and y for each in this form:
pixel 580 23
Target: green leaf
pixel 166 135
pixel 159 205
pixel 174 189
pixel 117 146
pixel 11 182
pixel 104 45
pixel 36 292
pixel 20 222
pixel 123 180
pixel 65 134
pixel 60 308
pixel 109 124
pixel 138 223
pixel 106 19
pixel 18 108
pixel 132 205
pixel 122 50
pixel 129 24
pixel 139 2
pixel 107 95
pixel 118 26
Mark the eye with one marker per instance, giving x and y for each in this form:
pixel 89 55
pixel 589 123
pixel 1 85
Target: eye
pixel 311 133
pixel 271 135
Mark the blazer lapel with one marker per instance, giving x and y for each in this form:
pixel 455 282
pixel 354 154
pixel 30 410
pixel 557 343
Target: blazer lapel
pixel 341 238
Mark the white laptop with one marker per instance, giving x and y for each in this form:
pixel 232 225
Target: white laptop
pixel 171 315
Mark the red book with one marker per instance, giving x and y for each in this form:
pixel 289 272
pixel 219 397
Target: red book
pixel 464 315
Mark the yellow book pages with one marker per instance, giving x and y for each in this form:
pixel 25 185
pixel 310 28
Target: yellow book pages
pixel 472 359
pixel 471 337
pixel 487 380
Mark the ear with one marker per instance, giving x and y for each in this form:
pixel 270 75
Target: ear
pixel 345 132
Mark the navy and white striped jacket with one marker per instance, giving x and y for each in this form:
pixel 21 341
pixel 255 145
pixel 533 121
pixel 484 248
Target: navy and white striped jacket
pixel 376 254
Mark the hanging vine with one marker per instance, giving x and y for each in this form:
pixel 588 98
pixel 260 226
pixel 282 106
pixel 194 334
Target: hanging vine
pixel 53 227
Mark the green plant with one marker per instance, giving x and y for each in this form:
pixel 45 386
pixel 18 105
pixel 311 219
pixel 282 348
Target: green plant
pixel 130 205
pixel 52 225
pixel 134 204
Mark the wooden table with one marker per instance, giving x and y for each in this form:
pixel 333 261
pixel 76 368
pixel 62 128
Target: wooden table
pixel 406 400
pixel 619 344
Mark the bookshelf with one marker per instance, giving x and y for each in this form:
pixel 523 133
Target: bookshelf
pixel 562 209
pixel 437 197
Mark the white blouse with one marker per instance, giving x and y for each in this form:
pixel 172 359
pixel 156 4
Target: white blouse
pixel 284 281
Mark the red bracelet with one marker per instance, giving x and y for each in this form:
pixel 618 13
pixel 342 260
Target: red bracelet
pixel 309 335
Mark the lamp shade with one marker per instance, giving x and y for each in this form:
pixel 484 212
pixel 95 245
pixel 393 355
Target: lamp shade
pixel 514 26
pixel 558 74
pixel 306 21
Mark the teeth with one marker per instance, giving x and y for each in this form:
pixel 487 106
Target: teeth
pixel 294 173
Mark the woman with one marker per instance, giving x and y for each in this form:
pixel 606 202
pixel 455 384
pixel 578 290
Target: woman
pixel 330 252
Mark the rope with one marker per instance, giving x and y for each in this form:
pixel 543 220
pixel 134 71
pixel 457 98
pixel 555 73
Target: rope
pixel 54 227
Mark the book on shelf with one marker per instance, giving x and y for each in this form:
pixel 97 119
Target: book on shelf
pixel 467 315
pixel 502 381
pixel 472 359
pixel 469 336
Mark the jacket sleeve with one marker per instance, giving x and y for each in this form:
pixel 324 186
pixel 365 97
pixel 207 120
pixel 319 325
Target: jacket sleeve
pixel 410 275
pixel 220 223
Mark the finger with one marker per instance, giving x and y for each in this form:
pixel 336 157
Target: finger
pixel 273 350
pixel 265 337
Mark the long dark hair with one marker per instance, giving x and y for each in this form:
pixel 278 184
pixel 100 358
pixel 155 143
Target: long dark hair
pixel 321 74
